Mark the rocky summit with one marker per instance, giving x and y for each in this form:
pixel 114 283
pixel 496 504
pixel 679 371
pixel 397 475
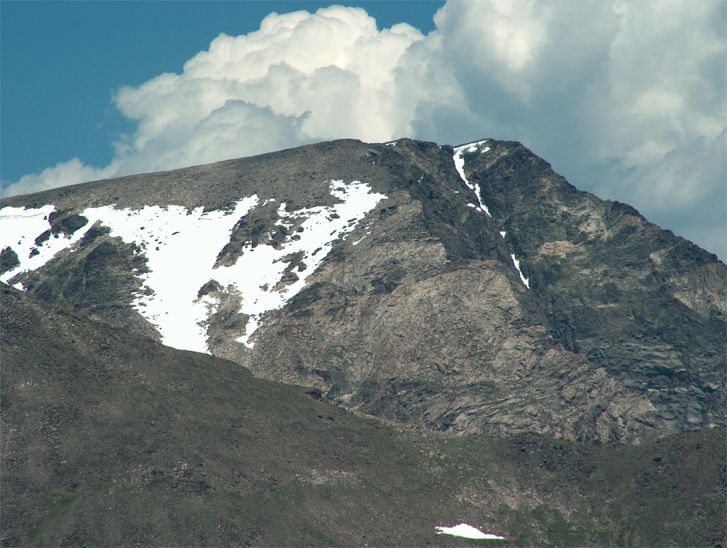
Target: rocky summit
pixel 466 289
pixel 350 344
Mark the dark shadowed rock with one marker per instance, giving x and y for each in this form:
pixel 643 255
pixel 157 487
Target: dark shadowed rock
pixel 8 259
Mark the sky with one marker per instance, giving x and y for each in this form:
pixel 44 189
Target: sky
pixel 625 99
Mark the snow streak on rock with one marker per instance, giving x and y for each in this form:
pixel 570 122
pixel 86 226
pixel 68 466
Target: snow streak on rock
pixel 467 531
pixel 517 265
pixel 458 158
pixel 459 153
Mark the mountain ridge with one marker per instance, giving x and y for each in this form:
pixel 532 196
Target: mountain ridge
pixel 488 295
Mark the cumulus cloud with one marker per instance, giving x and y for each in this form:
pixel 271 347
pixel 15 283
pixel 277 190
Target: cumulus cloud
pixel 301 77
pixel 65 173
pixel 626 99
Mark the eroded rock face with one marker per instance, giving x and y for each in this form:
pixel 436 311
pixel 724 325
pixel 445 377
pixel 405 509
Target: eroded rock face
pixel 644 305
pixel 533 307
pixel 436 327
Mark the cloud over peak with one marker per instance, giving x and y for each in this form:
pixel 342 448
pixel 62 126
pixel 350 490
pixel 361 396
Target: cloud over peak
pixel 625 98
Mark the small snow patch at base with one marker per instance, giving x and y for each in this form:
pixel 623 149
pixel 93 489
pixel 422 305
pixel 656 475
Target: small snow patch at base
pixel 467 531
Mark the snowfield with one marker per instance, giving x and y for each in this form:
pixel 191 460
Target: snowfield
pixel 181 246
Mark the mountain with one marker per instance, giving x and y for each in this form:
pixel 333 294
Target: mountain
pixel 351 343
pixel 110 438
pixel 468 289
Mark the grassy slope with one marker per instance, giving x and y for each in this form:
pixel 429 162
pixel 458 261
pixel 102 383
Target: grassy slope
pixel 109 439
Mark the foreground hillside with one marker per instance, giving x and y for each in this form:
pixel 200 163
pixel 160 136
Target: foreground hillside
pixel 112 438
pixel 467 289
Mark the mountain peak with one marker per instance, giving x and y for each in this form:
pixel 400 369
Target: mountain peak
pixel 467 288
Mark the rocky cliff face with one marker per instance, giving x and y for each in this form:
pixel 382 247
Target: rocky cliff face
pixel 466 289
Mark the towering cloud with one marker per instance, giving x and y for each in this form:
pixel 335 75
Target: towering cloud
pixel 624 98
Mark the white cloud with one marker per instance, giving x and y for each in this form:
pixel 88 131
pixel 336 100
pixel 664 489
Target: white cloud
pixel 309 76
pixel 625 98
pixel 65 173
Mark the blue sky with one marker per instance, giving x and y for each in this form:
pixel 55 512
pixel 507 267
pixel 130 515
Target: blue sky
pixel 62 61
pixel 626 99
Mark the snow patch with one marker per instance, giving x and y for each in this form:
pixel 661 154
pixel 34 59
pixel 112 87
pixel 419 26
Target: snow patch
pixel 474 144
pixel 458 158
pixel 467 531
pixel 19 227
